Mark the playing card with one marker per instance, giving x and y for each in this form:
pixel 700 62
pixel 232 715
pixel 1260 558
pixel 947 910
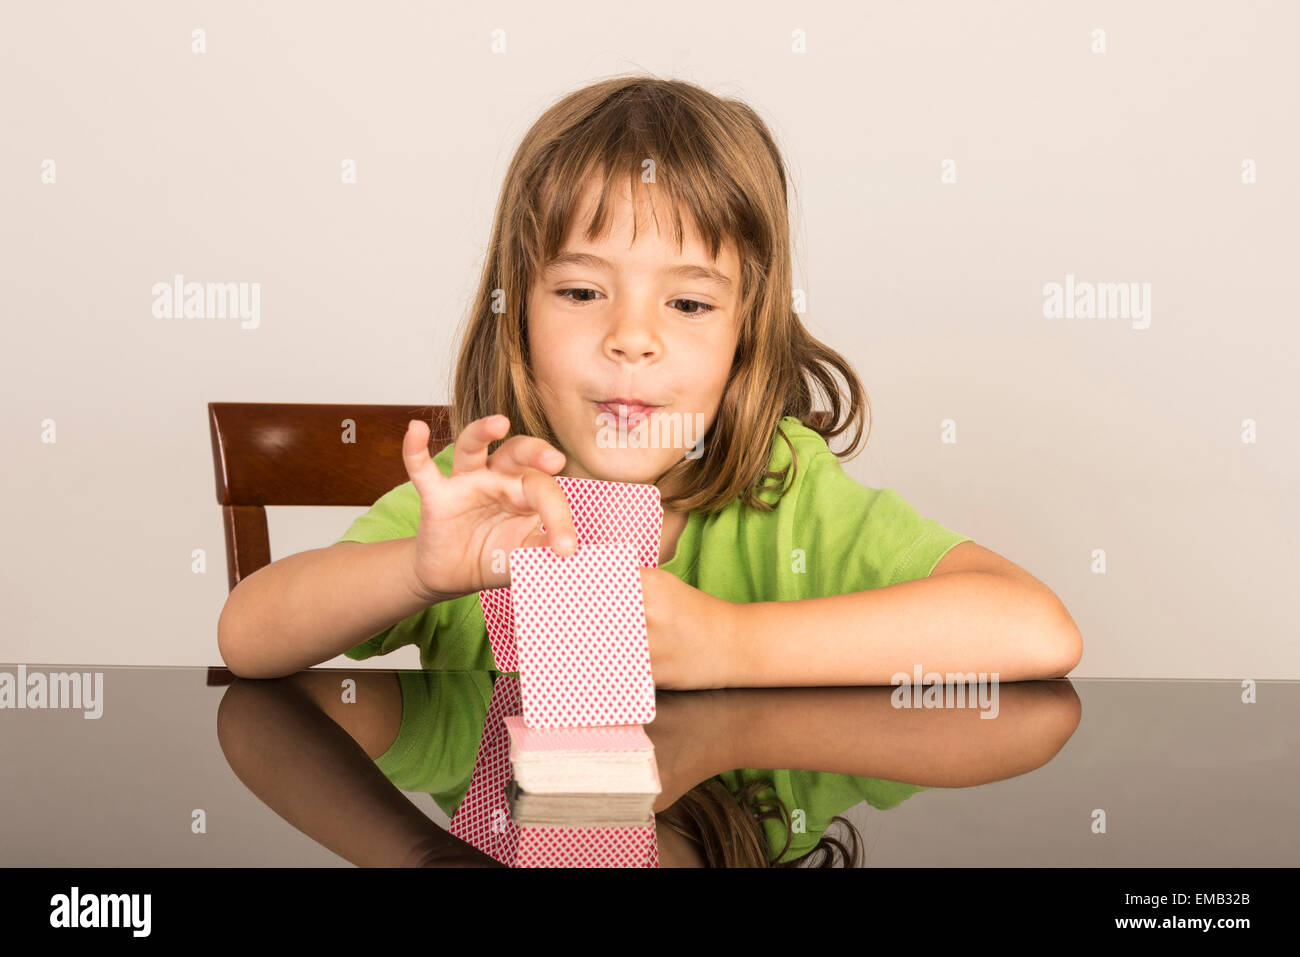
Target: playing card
pixel 602 512
pixel 483 817
pixel 500 620
pixel 584 655
pixel 616 512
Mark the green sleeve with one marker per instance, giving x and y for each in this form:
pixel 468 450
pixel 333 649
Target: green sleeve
pixel 396 514
pixel 864 537
pixel 883 795
pixel 930 541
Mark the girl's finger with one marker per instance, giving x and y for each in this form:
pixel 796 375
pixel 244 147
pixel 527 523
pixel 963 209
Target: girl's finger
pixel 547 499
pixel 471 445
pixel 420 467
pixel 520 453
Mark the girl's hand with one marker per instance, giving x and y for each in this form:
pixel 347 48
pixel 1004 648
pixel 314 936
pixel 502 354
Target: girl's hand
pixel 692 633
pixel 471 520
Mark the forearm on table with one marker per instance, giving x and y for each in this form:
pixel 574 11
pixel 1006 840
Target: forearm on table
pixel 313 606
pixel 971 621
pixel 860 732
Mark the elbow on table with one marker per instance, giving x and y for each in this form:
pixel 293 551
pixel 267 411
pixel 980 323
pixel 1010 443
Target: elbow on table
pixel 230 644
pixel 1066 644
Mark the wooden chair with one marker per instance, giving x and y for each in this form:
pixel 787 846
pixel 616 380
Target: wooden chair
pixel 288 454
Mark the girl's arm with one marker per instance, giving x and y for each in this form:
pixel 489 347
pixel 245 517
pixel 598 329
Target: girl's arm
pixel 309 607
pixel 312 606
pixel 977 612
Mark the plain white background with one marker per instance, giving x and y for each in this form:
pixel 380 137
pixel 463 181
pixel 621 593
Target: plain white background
pixel 1072 435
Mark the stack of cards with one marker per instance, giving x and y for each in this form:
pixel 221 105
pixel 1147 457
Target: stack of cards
pixel 603 512
pixel 584 776
pixel 594 777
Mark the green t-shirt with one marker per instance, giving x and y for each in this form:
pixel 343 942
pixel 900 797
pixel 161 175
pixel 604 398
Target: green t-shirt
pixel 827 535
pixel 442 724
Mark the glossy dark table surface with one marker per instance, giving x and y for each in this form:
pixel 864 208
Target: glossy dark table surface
pixel 178 771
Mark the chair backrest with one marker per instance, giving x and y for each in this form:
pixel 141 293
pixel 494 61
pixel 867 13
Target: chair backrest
pixel 266 453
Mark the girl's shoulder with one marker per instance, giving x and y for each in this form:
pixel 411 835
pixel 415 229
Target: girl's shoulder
pixel 796 431
pixel 805 440
pixel 794 443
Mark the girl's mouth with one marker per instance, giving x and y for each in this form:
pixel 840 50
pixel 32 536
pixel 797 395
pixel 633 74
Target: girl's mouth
pixel 631 411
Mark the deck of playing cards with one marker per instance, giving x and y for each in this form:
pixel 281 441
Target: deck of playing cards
pixel 566 775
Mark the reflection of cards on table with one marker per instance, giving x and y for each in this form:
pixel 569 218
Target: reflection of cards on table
pixel 603 512
pixel 584 656
pixel 591 777
pixel 483 817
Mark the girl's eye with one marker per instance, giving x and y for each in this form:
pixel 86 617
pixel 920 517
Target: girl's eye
pixel 564 294
pixel 702 308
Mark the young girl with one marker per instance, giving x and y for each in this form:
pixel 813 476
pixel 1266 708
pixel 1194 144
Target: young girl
pixel 639 273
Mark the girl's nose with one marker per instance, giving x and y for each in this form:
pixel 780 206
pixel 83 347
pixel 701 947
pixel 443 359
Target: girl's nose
pixel 632 338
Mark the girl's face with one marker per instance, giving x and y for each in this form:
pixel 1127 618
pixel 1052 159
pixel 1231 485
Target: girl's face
pixel 636 321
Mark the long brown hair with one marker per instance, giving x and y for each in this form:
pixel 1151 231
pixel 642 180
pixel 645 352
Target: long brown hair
pixel 715 159
pixel 727 828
